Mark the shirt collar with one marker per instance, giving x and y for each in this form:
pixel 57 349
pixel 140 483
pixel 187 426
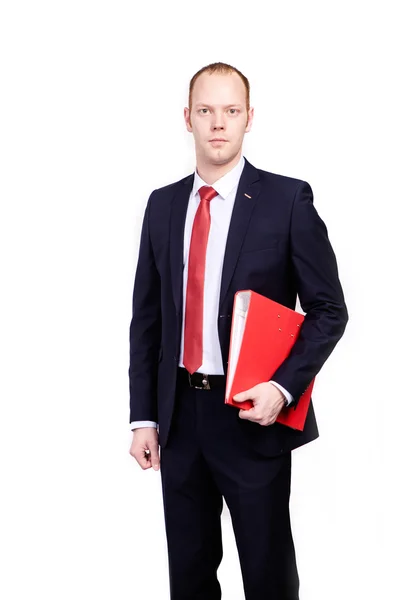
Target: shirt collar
pixel 225 184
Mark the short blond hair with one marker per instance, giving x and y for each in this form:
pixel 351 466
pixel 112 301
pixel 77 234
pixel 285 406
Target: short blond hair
pixel 223 68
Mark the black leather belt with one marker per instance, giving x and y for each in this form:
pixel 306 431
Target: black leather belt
pixel 201 381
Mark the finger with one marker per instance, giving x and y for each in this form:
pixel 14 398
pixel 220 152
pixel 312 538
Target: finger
pixel 245 395
pixel 143 458
pixel 154 456
pixel 247 414
pixel 242 396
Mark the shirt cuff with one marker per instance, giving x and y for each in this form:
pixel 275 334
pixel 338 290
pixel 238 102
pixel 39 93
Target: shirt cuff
pixel 136 424
pixel 287 394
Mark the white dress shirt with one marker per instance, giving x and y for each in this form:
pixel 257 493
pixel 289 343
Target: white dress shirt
pixel 221 207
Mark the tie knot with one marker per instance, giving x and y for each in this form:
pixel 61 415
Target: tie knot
pixel 207 193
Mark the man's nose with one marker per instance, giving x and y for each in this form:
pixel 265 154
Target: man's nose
pixel 218 122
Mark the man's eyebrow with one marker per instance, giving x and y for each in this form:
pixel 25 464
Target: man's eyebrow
pixel 210 106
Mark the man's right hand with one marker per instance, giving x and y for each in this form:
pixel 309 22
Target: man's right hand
pixel 144 439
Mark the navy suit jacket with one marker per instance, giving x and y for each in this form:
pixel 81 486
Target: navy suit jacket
pixel 278 246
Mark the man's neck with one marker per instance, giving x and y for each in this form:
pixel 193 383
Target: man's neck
pixel 210 173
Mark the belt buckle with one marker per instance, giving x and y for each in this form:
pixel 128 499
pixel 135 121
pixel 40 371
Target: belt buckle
pixel 205 382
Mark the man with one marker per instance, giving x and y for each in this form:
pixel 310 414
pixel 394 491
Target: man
pixel 228 226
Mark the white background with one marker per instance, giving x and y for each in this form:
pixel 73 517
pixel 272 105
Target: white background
pixel 92 98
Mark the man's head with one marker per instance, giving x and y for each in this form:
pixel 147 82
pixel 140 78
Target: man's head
pixel 219 107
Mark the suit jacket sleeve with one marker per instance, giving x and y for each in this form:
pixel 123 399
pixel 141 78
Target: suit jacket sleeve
pixel 145 330
pixel 316 280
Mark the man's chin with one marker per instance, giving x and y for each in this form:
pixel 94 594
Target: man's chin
pixel 218 156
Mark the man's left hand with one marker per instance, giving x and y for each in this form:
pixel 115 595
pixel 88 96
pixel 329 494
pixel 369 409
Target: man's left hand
pixel 268 402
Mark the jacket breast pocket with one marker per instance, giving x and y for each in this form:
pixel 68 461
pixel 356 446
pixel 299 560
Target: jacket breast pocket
pixel 258 264
pixel 251 248
pixel 259 255
pixel 254 253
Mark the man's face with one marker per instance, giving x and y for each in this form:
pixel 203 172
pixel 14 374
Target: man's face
pixel 218 111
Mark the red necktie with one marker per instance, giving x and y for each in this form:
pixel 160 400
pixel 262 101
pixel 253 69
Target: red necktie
pixel 193 341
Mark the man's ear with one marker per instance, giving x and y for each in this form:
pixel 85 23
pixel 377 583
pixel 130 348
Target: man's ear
pixel 186 115
pixel 250 117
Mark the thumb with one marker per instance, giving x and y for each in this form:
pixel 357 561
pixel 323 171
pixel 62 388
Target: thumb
pixel 154 457
pixel 246 395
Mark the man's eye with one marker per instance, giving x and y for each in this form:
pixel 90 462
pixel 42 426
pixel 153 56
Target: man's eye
pixel 235 110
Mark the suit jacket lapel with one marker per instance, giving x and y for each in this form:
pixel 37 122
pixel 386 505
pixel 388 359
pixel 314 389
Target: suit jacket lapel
pixel 245 201
pixel 176 236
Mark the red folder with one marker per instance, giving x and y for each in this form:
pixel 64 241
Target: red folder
pixel 262 335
